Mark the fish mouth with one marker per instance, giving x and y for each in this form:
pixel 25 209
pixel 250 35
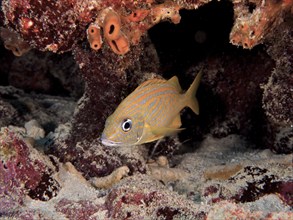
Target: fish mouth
pixel 110 143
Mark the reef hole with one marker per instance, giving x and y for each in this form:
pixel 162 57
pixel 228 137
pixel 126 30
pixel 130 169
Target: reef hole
pixel 200 33
pixel 201 40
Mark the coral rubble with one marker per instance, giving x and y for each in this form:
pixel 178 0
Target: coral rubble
pixel 113 178
pixel 154 200
pixel 242 180
pixel 160 170
pixel 260 188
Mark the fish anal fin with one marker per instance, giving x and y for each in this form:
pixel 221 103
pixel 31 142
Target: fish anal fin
pixel 175 82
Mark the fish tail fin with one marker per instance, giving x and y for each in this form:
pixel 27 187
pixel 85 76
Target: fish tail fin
pixel 191 100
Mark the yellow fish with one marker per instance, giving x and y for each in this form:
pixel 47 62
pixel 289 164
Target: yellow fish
pixel 150 112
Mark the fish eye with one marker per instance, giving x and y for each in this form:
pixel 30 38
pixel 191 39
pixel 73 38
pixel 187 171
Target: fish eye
pixel 126 125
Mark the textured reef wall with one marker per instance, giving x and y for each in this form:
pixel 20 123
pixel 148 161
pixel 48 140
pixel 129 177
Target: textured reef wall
pixel 66 65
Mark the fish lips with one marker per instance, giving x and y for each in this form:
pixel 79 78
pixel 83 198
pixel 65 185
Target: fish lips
pixel 109 143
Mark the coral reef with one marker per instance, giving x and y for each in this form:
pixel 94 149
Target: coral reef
pixel 24 171
pixel 13 42
pixel 18 107
pixel 254 186
pixel 42 73
pixel 255 19
pixel 52 164
pixel 123 23
pixel 48 25
pixel 277 98
pixel 121 31
pixel 96 160
pixel 225 81
pixel 64 23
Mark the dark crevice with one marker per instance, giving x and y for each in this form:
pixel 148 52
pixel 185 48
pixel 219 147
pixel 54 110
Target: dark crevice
pixel 200 33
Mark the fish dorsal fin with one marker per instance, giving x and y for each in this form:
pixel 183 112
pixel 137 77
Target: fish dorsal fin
pixel 175 82
pixel 151 82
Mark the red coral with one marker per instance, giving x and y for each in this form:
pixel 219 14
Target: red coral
pixel 16 163
pixel 47 25
pixel 20 174
pixel 285 190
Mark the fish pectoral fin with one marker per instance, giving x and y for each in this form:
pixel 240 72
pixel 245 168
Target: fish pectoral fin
pixel 151 133
pixel 148 135
pixel 165 131
pixel 176 123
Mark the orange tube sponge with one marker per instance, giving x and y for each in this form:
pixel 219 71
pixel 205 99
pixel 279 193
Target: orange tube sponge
pixel 96 44
pixel 94 36
pixel 138 15
pixel 112 25
pixel 251 28
pixel 120 45
pixel 164 12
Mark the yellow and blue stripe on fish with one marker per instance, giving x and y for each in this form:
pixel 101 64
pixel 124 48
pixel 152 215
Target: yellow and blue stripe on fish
pixel 150 112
